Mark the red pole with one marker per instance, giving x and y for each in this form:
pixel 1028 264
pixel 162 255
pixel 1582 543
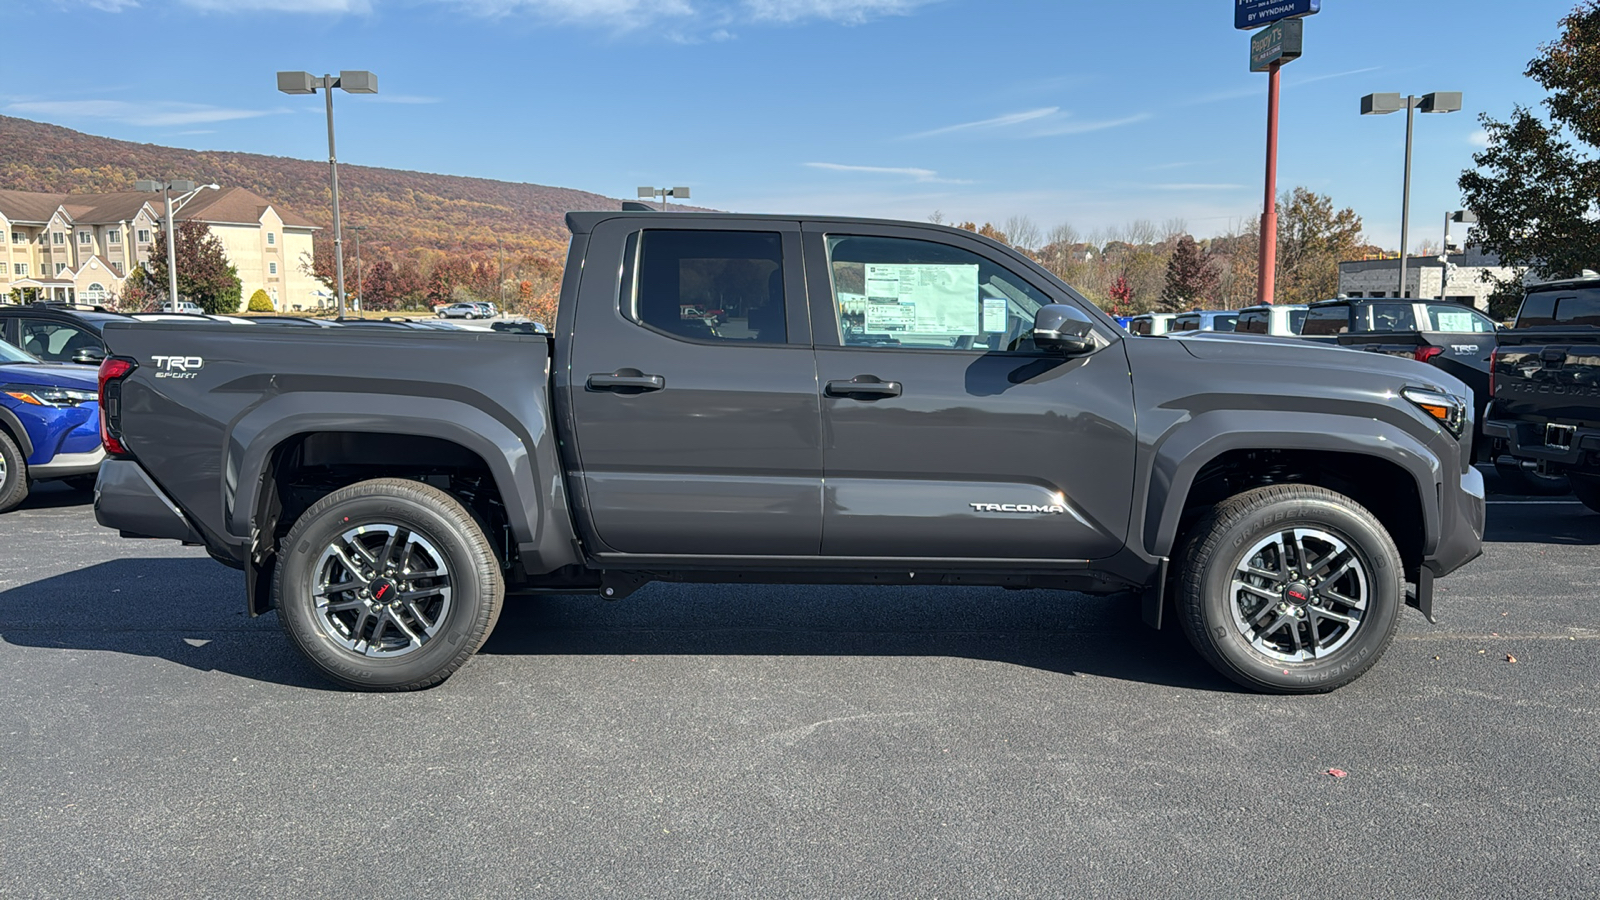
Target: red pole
pixel 1269 214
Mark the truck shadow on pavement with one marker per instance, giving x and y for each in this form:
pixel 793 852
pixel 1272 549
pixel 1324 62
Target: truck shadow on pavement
pixel 191 612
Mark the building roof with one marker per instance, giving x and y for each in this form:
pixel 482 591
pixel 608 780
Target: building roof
pixel 229 206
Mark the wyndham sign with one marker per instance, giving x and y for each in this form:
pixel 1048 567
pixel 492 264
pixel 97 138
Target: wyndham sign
pixel 1250 14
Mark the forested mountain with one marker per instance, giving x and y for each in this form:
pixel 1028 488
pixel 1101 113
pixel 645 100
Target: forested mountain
pixel 404 209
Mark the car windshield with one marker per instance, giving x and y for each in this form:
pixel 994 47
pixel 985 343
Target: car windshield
pixel 10 355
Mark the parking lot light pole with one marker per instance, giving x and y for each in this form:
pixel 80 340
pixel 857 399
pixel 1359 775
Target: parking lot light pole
pixel 351 82
pixel 361 286
pixel 189 190
pixel 1382 105
pixel 653 193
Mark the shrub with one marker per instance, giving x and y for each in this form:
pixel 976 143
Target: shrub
pixel 260 302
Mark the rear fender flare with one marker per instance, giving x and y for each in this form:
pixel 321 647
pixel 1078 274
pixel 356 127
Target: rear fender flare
pixel 524 470
pixel 1180 457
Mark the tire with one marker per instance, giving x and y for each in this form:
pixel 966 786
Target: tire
pixel 1517 480
pixel 370 645
pixel 13 474
pixel 1587 490
pixel 1258 636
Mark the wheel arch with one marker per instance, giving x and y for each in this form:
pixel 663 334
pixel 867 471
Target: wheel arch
pixel 1373 462
pixel 12 426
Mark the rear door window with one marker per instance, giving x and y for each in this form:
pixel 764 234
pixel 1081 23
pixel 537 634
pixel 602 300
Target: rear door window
pixel 1253 322
pixel 1139 326
pixel 1326 321
pixel 1185 323
pixel 1391 317
pixel 713 286
pixel 1453 319
pixel 1224 323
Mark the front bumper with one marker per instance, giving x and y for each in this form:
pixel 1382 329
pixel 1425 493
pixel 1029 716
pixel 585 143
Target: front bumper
pixel 126 499
pixel 1526 440
pixel 1462 516
pixel 65 465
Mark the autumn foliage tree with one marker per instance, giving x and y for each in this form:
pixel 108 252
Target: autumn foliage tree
pixel 1191 281
pixel 204 274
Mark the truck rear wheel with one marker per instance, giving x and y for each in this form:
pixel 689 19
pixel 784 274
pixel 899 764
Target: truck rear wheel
pixel 13 474
pixel 388 585
pixel 1587 489
pixel 1290 589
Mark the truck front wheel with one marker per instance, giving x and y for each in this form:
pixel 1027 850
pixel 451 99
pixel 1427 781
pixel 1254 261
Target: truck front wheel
pixel 388 585
pixel 1290 589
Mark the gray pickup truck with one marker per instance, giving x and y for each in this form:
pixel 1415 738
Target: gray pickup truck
pixel 880 403
pixel 1545 419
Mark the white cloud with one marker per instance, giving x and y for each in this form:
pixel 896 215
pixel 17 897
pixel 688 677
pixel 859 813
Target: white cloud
pixel 850 12
pixel 1195 186
pixel 1479 138
pixel 1087 127
pixel 323 7
pixel 1004 121
pixel 921 176
pixel 619 14
pixel 111 6
pixel 155 113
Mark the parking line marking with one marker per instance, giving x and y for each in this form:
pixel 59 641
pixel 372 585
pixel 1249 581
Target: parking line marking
pixel 1535 502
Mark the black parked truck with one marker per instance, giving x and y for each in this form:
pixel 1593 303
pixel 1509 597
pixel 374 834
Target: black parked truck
pixel 880 403
pixel 1545 419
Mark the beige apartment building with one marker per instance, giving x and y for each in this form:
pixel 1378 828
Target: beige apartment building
pixel 81 247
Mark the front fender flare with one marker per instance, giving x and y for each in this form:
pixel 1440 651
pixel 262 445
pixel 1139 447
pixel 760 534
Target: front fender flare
pixel 1181 455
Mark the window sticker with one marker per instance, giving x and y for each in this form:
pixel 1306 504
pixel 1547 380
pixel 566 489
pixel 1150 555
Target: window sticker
pixel 1455 321
pixel 994 314
pixel 922 299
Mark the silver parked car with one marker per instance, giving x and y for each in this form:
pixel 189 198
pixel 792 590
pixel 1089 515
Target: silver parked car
pixel 1205 320
pixel 1151 324
pixel 462 311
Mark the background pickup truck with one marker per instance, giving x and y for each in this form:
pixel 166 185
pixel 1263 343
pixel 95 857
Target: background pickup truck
pixel 884 403
pixel 1455 338
pixel 1545 420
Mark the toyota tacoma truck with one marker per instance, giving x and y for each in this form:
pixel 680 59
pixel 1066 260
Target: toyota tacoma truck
pixel 883 403
pixel 1544 422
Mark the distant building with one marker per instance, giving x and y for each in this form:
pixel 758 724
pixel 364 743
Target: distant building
pixel 1424 277
pixel 82 247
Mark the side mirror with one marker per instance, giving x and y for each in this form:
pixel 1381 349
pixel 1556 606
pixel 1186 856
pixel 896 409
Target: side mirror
pixel 1058 328
pixel 89 356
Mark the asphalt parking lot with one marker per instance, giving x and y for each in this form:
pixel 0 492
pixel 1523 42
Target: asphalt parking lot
pixel 789 742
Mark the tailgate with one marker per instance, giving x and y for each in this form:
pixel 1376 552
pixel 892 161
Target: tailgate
pixel 1559 382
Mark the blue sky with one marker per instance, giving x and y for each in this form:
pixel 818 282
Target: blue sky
pixel 1092 113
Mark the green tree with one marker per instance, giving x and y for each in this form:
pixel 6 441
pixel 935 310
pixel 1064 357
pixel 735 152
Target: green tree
pixel 1312 240
pixel 1191 281
pixel 1537 182
pixel 204 274
pixel 260 302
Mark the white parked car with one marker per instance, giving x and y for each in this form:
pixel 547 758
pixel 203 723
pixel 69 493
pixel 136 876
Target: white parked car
pixel 1151 324
pixel 1276 320
pixel 1204 320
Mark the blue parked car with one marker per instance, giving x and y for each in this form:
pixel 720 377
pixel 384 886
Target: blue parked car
pixel 49 425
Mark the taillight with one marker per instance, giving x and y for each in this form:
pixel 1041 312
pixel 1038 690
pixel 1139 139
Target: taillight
pixel 112 371
pixel 1424 354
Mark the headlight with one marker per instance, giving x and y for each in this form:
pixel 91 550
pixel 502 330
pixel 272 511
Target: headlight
pixel 47 396
pixel 1449 410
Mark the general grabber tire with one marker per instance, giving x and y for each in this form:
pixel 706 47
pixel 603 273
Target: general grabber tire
pixel 1290 589
pixel 387 585
pixel 13 474
pixel 1587 489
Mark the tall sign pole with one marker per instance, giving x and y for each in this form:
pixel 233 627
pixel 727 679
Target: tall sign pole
pixel 1280 40
pixel 1267 282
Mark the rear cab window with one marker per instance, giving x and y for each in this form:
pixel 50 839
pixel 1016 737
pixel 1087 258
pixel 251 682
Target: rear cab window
pixel 1570 308
pixel 715 286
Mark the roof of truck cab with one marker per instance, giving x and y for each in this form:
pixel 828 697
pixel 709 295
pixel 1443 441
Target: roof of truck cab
pixel 584 222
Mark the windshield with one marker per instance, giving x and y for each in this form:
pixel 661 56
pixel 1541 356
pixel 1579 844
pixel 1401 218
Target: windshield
pixel 10 355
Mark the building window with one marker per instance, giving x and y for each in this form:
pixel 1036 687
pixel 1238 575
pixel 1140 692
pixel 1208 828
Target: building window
pixel 58 238
pixel 1354 295
pixel 116 266
pixel 84 238
pixel 272 268
pixel 18 237
pixel 143 235
pixel 60 267
pixel 19 268
pixel 96 292
pixel 272 239
pixel 113 237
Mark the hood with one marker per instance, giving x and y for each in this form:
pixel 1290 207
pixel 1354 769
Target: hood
pixel 83 378
pixel 1287 351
